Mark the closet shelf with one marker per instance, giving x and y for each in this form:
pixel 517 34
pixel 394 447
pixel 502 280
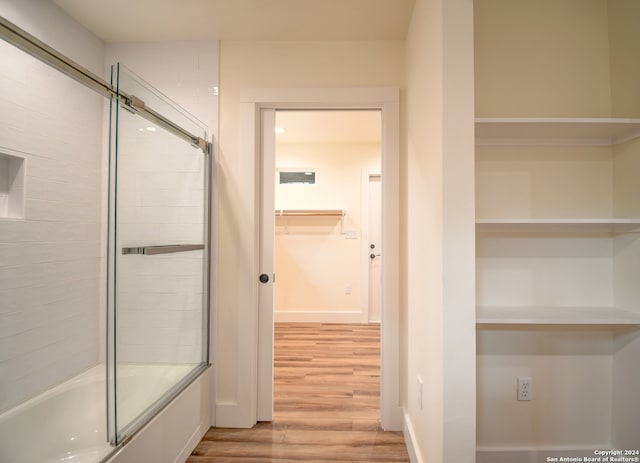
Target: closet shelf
pixel 556 131
pixel 310 213
pixel 555 316
pixel 339 213
pixel 609 225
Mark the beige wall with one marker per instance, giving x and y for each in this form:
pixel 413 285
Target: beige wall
pixel 423 234
pixel 624 44
pixel 626 188
pixel 248 64
pixel 548 58
pixel 544 181
pixel 440 227
pixel 315 257
pixel 543 58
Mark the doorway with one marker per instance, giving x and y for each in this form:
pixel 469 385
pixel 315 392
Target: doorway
pixel 323 215
pixel 258 108
pixel 324 298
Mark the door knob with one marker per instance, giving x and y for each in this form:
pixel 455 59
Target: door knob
pixel 264 278
pixel 373 256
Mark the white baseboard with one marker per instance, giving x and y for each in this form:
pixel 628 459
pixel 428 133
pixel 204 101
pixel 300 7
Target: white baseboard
pixel 410 440
pixel 233 415
pixel 320 317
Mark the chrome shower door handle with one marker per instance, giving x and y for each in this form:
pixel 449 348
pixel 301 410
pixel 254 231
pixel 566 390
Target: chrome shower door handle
pixel 154 250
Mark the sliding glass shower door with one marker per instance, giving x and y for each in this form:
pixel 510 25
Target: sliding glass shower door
pixel 158 255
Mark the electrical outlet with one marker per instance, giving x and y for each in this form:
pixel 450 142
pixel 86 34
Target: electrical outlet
pixel 525 388
pixel 347 289
pixel 420 392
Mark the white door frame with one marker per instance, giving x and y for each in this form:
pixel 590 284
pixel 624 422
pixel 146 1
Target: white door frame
pixel 255 329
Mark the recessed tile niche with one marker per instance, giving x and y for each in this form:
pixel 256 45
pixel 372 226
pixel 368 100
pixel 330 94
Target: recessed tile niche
pixel 12 174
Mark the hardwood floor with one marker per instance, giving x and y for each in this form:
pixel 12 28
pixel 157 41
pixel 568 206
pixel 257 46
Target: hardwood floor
pixel 326 403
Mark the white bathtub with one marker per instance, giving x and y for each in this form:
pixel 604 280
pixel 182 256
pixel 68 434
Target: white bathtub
pixel 65 423
pixel 68 422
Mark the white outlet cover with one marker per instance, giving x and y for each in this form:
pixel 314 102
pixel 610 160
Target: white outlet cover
pixel 525 388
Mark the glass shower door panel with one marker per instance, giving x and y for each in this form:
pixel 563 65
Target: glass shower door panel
pixel 160 261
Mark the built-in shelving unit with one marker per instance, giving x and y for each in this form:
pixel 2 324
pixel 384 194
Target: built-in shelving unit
pixel 518 132
pixel 558 284
pixel 557 229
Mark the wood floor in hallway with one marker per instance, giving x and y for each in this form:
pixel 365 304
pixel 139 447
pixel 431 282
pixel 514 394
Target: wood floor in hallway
pixel 326 403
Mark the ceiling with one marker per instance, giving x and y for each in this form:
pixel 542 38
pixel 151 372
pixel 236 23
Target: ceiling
pixel 163 20
pixel 152 20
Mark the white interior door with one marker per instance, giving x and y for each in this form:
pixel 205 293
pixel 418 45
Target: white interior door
pixel 375 248
pixel 266 278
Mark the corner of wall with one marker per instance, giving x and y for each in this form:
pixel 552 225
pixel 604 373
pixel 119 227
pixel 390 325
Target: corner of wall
pixel 440 319
pixel 410 441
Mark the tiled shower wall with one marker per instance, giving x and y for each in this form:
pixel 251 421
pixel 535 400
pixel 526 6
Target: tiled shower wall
pixel 159 302
pixel 51 259
pixel 52 275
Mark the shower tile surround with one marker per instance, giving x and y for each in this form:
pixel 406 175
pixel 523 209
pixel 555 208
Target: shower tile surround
pixel 51 256
pixel 53 266
pixel 160 201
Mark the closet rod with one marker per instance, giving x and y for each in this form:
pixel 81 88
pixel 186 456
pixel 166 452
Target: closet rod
pixel 310 213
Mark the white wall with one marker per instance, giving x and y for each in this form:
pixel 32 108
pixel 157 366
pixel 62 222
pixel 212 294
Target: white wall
pixel 315 260
pixel 50 261
pixel 440 312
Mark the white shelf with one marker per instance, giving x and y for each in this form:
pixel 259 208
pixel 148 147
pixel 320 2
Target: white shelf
pixel 609 225
pixel 555 316
pixel 555 131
